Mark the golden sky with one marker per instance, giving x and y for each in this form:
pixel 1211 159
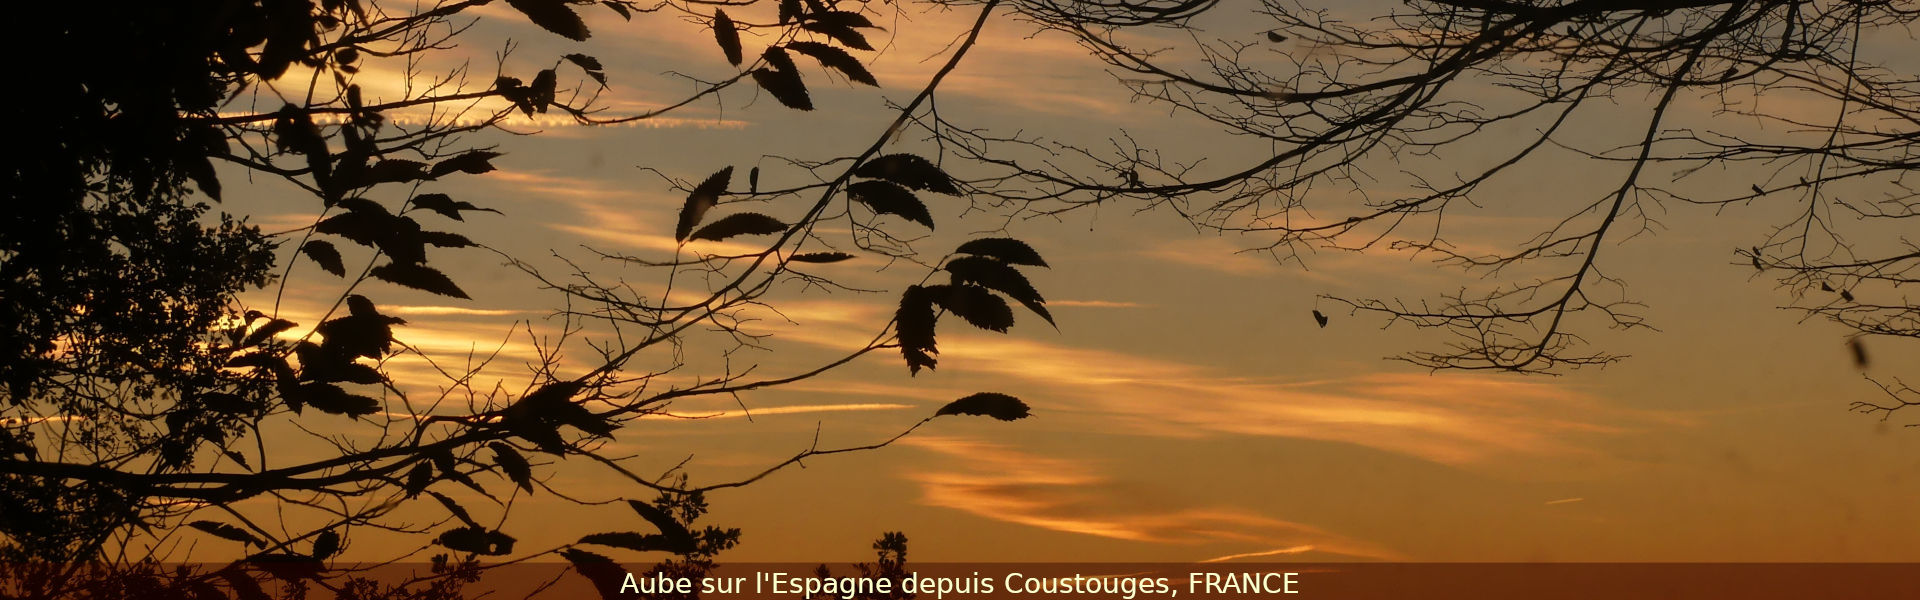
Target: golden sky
pixel 1186 408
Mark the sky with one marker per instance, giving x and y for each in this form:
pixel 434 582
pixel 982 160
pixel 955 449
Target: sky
pixel 1186 407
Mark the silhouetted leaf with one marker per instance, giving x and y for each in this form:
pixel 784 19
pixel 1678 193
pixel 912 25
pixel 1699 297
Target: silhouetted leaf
pixel 418 478
pixel 590 65
pixel 889 199
pixel 789 10
pixel 753 180
pixel 1846 295
pixel 1000 277
pixel 747 223
pixel 267 331
pixel 975 304
pixel 513 464
pixel 911 171
pixel 1006 250
pixel 454 508
pixel 1275 37
pixel 329 398
pixel 1859 351
pixel 841 18
pixel 702 199
pixel 325 256
pixel 363 228
pixel 820 257
pixel 727 36
pixel 785 87
pixel 392 170
pixel 914 324
pixel 836 59
pixel 446 206
pixel 540 92
pixel 679 540
pixel 477 540
pixel 1320 318
pixel 987 404
pixel 840 33
pixel 625 13
pixel 419 277
pixel 226 531
pixel 473 161
pixel 554 16
pixel 605 574
pixel 643 542
pixel 325 545
pixel 445 239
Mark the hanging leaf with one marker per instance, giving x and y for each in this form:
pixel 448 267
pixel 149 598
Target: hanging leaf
pixel 554 16
pixel 975 304
pixel 999 277
pixel 703 198
pixel 325 545
pixel 513 464
pixel 540 92
pixel 445 239
pixel 418 478
pixel 477 540
pixel 473 161
pixel 889 199
pixel 1006 250
pixel 605 574
pixel 911 171
pixel 789 10
pixel 679 540
pixel 590 65
pixel 419 277
pixel 617 7
pixel 841 18
pixel 330 399
pixel 226 531
pixel 642 542
pixel 847 36
pixel 446 206
pixel 820 257
pixel 454 508
pixel 836 59
pixel 987 404
pixel 727 35
pixel 747 223
pixel 266 332
pixel 914 323
pixel 325 256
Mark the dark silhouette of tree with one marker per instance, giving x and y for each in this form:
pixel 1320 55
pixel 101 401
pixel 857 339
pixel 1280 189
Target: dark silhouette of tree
pixel 139 385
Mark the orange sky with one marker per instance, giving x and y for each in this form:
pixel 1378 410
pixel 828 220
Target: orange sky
pixel 1187 408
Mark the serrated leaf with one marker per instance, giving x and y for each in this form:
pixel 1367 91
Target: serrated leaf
pixel 910 171
pixel 1006 250
pixel 418 478
pixel 631 540
pixel 978 306
pixel 727 35
pixel 747 223
pixel 267 331
pixel 514 465
pixel 419 277
pixel 820 257
pixel 789 10
pixel 590 65
pixel 540 93
pixel 785 86
pixel 914 323
pixel 329 398
pixel 444 239
pixel 446 206
pixel 987 404
pixel 888 199
pixel 703 198
pixel 473 161
pixel 680 541
pixel 366 229
pixel 554 16
pixel 324 255
pixel 836 59
pixel 605 574
pixel 847 36
pixel 230 532
pixel 1000 277
pixel 841 18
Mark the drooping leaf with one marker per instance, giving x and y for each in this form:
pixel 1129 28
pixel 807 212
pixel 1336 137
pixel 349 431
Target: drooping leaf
pixel 703 198
pixel 590 65
pixel 1320 318
pixel 747 223
pixel 727 35
pixel 1000 277
pixel 554 16
pixel 226 531
pixel 785 86
pixel 267 331
pixel 472 162
pixel 325 545
pixel 679 540
pixel 888 199
pixel 605 574
pixel 987 404
pixel 617 7
pixel 454 508
pixel 789 10
pixel 1006 250
pixel 325 256
pixel 446 239
pixel 820 257
pixel 975 304
pixel 914 324
pixel 390 170
pixel 847 36
pixel 911 171
pixel 366 229
pixel 477 540
pixel 841 18
pixel 419 277
pixel 418 478
pixel 836 59
pixel 540 93
pixel 631 540
pixel 446 206
pixel 329 398
pixel 513 464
